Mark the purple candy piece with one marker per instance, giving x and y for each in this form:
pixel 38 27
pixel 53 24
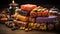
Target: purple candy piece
pixel 46 19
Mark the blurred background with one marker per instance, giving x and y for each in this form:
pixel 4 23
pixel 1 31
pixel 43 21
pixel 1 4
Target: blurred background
pixel 46 3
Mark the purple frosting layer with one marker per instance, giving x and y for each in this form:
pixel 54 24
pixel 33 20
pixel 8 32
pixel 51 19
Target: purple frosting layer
pixel 46 19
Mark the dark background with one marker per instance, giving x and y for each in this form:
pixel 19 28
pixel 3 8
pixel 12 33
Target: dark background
pixel 5 3
pixel 46 3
